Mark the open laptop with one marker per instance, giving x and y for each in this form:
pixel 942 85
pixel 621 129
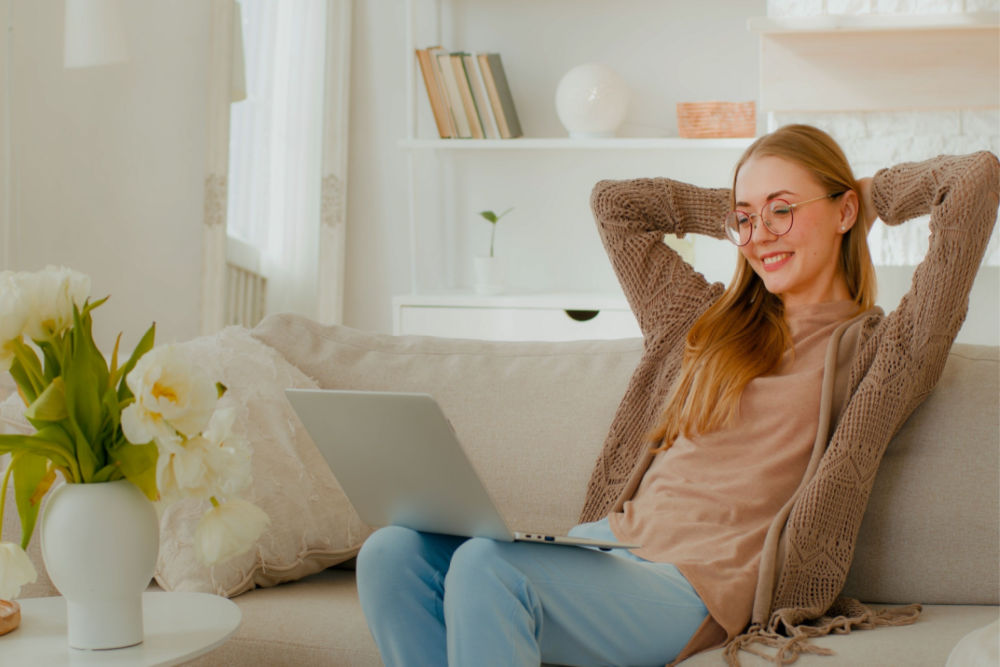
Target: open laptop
pixel 399 462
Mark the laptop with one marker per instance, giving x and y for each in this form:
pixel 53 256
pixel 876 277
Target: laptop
pixel 399 461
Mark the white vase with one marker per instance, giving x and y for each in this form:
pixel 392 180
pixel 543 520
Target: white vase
pixel 591 101
pixel 489 275
pixel 99 544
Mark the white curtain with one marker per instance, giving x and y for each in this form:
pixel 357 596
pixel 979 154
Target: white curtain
pixel 276 148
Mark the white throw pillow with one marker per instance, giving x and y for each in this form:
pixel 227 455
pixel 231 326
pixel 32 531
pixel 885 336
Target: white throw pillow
pixel 312 524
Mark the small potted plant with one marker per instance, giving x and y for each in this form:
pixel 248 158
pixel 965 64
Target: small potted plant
pixel 489 270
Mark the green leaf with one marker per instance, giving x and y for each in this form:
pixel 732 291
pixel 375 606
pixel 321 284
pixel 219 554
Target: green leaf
pixel 490 216
pixel 27 370
pixel 144 346
pixel 23 382
pixel 52 357
pixel 112 409
pixel 31 481
pixel 50 405
pixel 89 306
pixel 138 464
pixel 88 457
pixel 108 473
pixel 220 389
pixel 43 444
pixel 114 361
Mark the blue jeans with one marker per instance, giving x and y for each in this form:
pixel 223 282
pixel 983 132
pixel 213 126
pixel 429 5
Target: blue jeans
pixel 440 600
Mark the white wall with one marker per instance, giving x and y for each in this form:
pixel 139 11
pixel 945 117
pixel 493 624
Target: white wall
pixel 110 162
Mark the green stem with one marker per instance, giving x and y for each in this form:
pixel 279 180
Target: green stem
pixel 493 235
pixel 3 492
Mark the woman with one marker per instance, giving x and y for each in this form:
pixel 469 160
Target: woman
pixel 780 394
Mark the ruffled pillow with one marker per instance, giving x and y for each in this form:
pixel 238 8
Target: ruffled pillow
pixel 312 524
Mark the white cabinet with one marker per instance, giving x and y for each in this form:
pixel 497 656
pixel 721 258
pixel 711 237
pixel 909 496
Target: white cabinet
pixel 517 317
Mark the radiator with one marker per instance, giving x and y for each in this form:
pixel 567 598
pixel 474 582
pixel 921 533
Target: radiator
pixel 246 288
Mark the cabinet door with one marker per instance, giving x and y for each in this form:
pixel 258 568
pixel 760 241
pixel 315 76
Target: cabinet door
pixel 516 323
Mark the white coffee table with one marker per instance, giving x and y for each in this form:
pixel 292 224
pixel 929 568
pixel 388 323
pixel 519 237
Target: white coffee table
pixel 176 626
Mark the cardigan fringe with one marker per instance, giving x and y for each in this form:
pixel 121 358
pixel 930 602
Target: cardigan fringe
pixel 846 615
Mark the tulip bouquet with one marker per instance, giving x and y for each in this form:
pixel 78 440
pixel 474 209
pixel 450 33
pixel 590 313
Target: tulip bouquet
pixel 154 420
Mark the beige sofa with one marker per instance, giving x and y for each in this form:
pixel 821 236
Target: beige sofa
pixel 533 417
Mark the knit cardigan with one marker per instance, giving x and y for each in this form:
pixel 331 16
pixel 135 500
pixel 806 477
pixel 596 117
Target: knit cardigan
pixel 897 361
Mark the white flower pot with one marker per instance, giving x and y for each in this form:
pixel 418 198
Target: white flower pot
pixel 489 275
pixel 99 544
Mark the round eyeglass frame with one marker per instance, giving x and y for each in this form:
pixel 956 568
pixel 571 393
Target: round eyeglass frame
pixel 733 224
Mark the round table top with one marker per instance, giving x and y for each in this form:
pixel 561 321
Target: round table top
pixel 176 627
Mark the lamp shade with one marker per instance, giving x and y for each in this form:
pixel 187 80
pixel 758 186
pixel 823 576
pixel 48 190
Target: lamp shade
pixel 95 33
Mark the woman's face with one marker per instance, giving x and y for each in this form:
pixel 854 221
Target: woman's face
pixel 800 266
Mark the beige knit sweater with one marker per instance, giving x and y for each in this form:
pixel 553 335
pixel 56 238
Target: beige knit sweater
pixel 898 359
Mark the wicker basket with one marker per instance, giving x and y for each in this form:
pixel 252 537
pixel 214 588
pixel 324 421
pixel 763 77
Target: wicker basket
pixel 700 120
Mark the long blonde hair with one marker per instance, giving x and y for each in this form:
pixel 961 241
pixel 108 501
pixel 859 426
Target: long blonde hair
pixel 743 335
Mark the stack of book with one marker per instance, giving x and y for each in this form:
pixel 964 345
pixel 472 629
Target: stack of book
pixel 469 94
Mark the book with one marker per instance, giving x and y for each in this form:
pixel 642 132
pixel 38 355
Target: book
pixel 454 97
pixel 486 116
pixel 498 91
pixel 465 92
pixel 435 92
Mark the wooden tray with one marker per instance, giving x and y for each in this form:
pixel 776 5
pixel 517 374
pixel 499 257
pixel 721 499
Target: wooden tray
pixel 10 616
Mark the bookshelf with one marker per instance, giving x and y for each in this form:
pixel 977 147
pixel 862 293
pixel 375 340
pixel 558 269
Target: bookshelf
pixel 437 200
pixel 924 62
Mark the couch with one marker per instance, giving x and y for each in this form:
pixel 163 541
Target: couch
pixel 533 416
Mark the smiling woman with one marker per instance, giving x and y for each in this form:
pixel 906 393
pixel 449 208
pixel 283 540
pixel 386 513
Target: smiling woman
pixel 754 376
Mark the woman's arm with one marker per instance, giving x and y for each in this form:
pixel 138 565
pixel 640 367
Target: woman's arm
pixel 961 194
pixel 632 218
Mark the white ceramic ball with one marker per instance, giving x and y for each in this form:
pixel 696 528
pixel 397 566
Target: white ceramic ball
pixel 591 101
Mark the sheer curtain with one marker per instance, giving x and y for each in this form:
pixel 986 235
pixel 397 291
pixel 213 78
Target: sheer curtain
pixel 276 148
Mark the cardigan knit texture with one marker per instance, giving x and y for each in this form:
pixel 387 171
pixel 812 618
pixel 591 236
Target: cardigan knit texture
pixel 895 361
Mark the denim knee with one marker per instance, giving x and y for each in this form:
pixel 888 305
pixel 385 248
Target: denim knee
pixel 384 553
pixel 476 561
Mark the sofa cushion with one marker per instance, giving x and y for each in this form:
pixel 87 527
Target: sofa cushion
pixel 316 622
pixel 312 524
pixel 932 530
pixel 925 643
pixel 532 416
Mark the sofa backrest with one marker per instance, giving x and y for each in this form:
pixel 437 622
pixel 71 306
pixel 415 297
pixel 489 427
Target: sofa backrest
pixel 932 530
pixel 533 417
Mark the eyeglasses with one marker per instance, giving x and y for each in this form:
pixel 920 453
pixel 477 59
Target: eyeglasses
pixel 776 214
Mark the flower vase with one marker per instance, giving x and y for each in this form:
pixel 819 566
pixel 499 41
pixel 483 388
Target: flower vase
pixel 99 545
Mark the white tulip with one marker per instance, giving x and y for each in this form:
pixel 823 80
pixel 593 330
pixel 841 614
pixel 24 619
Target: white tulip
pixel 141 426
pixel 52 294
pixel 182 468
pixel 228 530
pixel 168 387
pixel 15 570
pixel 230 454
pixel 216 463
pixel 14 309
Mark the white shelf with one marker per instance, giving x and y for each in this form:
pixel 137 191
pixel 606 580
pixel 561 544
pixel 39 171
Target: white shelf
pixel 547 300
pixel 566 143
pixel 873 22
